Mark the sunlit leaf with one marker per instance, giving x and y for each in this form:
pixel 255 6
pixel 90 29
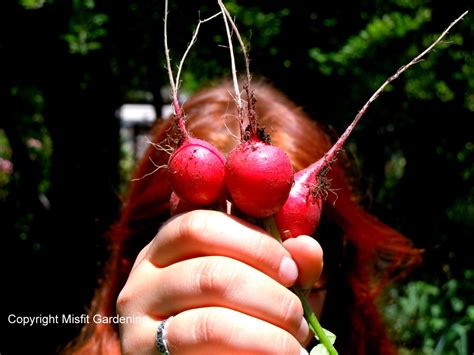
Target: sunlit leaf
pixel 319 349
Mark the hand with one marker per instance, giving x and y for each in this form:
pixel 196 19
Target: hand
pixel 225 282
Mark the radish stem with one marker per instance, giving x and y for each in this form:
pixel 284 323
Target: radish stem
pixel 232 59
pixel 313 322
pixel 239 38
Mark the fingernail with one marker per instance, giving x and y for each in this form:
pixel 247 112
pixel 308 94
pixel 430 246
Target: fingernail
pixel 303 351
pixel 303 330
pixel 288 271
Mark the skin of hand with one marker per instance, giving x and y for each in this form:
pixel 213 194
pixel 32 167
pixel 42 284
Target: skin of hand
pixel 225 281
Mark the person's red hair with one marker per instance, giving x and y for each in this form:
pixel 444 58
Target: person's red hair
pixel 374 254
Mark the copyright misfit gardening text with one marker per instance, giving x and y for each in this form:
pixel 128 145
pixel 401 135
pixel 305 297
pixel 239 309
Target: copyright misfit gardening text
pixel 51 319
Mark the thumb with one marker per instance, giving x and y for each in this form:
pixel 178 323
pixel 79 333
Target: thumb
pixel 308 256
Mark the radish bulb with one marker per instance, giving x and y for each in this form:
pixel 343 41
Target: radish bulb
pixel 196 172
pixel 301 213
pixel 258 175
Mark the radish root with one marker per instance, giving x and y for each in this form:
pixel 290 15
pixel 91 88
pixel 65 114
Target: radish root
pixel 330 156
pixel 176 82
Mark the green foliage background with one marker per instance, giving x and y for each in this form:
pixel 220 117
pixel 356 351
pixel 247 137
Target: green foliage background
pixel 66 66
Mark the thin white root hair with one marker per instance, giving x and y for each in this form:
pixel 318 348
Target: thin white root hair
pixel 232 134
pixel 162 147
pixel 193 40
pixel 157 167
pixel 175 82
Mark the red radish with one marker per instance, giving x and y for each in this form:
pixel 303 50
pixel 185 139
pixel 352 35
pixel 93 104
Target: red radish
pixel 196 172
pixel 258 175
pixel 301 213
pixel 196 167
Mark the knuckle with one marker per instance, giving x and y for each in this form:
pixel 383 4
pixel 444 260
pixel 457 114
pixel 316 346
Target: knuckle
pixel 193 225
pixel 206 328
pixel 216 276
pixel 262 250
pixel 206 277
pixel 216 328
pixel 292 310
pixel 266 252
pixel 288 344
pixel 123 300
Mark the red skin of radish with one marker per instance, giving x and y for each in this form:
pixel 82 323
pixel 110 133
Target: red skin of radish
pixel 196 172
pixel 259 177
pixel 301 213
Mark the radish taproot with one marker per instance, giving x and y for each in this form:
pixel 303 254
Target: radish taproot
pixel 301 213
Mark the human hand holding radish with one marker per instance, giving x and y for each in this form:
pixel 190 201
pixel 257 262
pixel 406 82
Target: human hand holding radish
pixel 304 198
pixel 225 281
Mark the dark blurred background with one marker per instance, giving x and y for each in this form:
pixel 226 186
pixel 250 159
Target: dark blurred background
pixel 66 67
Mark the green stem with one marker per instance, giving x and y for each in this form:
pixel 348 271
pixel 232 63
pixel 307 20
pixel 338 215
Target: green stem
pixel 313 322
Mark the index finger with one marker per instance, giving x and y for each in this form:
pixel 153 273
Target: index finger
pixel 206 233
